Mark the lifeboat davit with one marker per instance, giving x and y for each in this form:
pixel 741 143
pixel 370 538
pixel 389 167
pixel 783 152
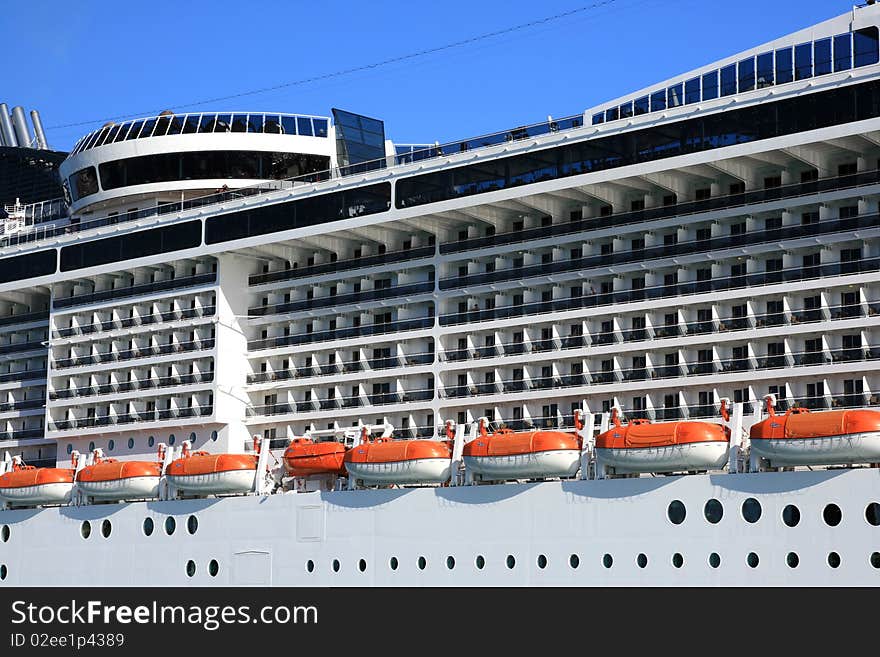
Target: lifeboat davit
pixel 110 479
pixel 202 473
pixel 800 437
pixel 304 457
pixel 387 461
pixel 26 485
pixel 643 446
pixel 507 454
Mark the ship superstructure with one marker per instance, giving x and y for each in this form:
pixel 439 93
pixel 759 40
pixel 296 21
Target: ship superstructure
pixel 225 275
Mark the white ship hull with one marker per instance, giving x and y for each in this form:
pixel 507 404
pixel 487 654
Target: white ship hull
pixel 830 450
pixel 55 493
pixel 415 471
pixel 555 463
pixel 673 458
pixel 130 488
pixel 215 483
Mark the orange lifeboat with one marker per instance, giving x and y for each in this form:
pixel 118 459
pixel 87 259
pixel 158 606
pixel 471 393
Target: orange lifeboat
pixel 26 485
pixel 800 437
pixel 387 461
pixel 507 454
pixel 644 446
pixel 304 457
pixel 110 479
pixel 203 473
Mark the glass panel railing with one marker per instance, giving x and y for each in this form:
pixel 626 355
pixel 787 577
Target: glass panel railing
pixel 23 346
pixel 131 418
pixel 129 354
pixel 21 318
pixel 134 290
pixel 130 322
pixel 134 385
pixel 23 375
pixel 340 334
pixel 341 299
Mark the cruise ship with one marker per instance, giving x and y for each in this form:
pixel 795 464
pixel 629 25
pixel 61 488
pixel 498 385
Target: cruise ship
pixel 634 346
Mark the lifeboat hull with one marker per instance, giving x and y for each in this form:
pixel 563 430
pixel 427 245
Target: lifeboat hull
pixel 52 493
pixel 551 463
pixel 305 459
pixel 411 471
pixel 845 449
pixel 215 483
pixel 121 489
pixel 668 458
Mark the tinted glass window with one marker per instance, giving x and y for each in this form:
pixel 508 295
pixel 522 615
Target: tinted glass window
pixel 20 267
pixel 658 101
pixel 83 183
pixel 675 96
pixel 626 110
pixel 272 125
pixel 288 125
pixel 611 114
pixel 692 91
pixel 641 105
pixel 134 130
pixel 747 74
pixel 822 56
pixel 765 70
pixel 784 66
pixel 865 46
pixel 320 127
pixel 207 124
pixel 803 61
pixel 255 123
pixel 728 80
pixel 843 52
pixel 223 123
pixel 598 118
pixel 240 123
pixel 710 85
pixel 191 124
pixel 147 128
pixel 304 126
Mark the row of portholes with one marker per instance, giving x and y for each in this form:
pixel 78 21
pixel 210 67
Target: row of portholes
pixel 714 560
pixel 751 511
pixel 151 442
pixel 192 525
pixel 213 568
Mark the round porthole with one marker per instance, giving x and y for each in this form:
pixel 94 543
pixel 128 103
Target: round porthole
pixel 131 443
pixel 213 568
pixel 752 560
pixel 677 560
pixel 791 515
pixel 751 510
pixel 542 561
pixel 833 559
pixel 92 446
pixel 336 565
pixel 574 561
pixel 480 562
pixel 106 528
pixel 148 526
pixel 393 563
pixel 214 436
pixel 362 565
pixel 111 445
pixel 607 561
pixel 875 559
pixel 190 568
pixel 792 560
pixel 4 533
pixel 872 514
pixel 832 515
pixel 85 529
pixel 151 441
pixel 510 561
pixel 642 560
pixel 714 560
pixel 422 563
pixel 310 566
pixel 171 439
pixel 69 448
pixel 713 511
pixel 450 562
pixel 170 525
pixel 4 571
pixel 192 438
pixel 676 512
pixel 192 524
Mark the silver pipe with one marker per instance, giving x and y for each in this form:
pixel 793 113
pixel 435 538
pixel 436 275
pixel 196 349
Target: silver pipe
pixel 19 124
pixel 40 136
pixel 6 126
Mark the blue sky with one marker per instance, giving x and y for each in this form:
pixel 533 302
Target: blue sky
pixel 93 60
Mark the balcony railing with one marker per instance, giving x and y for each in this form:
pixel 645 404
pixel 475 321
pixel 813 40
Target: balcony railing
pixel 343 265
pixel 342 333
pixel 23 375
pixel 22 318
pixel 129 386
pixel 342 299
pixel 134 290
pixel 21 405
pixel 140 352
pixel 677 210
pixel 129 322
pixel 23 346
pixel 347 367
pixel 682 289
pixel 131 418
pixel 22 434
